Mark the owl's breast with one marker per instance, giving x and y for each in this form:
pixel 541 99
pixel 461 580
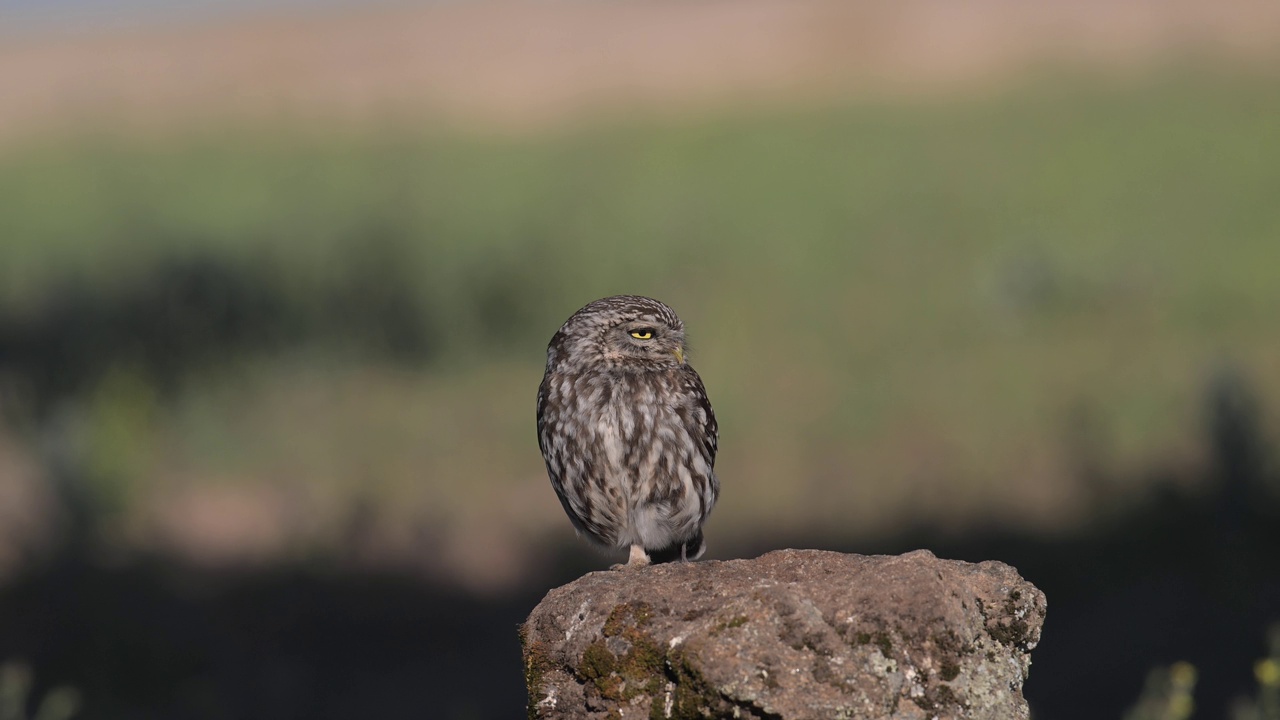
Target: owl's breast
pixel 624 418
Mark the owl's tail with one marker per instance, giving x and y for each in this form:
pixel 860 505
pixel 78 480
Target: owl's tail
pixel 690 549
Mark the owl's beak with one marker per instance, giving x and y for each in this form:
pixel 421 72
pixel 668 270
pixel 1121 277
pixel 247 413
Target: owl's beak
pixel 679 353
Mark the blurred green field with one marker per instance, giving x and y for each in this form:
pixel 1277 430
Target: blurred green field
pixel 931 311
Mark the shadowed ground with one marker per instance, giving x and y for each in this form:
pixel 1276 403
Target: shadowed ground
pixel 1179 576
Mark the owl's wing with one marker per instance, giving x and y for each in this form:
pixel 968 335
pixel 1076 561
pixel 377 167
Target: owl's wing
pixel 703 424
pixel 543 444
pixel 551 443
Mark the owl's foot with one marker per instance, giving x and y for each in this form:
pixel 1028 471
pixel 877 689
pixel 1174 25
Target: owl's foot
pixel 639 558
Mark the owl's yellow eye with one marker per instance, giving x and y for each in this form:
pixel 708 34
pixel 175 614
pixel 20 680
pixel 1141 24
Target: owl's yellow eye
pixel 642 334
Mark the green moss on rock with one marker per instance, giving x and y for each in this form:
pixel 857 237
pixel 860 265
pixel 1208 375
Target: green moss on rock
pixel 880 639
pixel 735 622
pixel 693 697
pixel 597 662
pixel 633 615
pixel 639 671
pixel 537 663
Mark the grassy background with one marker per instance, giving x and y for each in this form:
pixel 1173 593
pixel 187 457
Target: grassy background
pixel 267 389
pixel 944 311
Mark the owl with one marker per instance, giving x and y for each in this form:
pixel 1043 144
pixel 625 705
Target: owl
pixel 627 431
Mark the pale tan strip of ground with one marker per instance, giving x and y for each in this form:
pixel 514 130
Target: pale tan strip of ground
pixel 527 64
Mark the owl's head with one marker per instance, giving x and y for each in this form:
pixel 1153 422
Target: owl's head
pixel 619 332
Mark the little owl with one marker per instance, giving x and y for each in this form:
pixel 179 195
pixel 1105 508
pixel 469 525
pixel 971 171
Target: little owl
pixel 627 431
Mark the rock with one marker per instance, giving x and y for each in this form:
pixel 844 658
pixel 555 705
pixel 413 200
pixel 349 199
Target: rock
pixel 792 634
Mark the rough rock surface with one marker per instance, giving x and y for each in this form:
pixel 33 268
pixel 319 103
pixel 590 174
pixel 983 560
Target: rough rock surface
pixel 791 634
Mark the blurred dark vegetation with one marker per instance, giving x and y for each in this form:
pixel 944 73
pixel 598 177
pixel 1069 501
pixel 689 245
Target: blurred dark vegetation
pixel 1036 328
pixel 192 314
pixel 1183 576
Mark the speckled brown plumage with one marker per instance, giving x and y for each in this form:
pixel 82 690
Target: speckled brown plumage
pixel 627 431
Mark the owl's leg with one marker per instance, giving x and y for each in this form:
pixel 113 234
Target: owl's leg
pixel 638 557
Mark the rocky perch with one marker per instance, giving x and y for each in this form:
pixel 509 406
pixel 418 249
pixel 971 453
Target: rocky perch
pixel 792 634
